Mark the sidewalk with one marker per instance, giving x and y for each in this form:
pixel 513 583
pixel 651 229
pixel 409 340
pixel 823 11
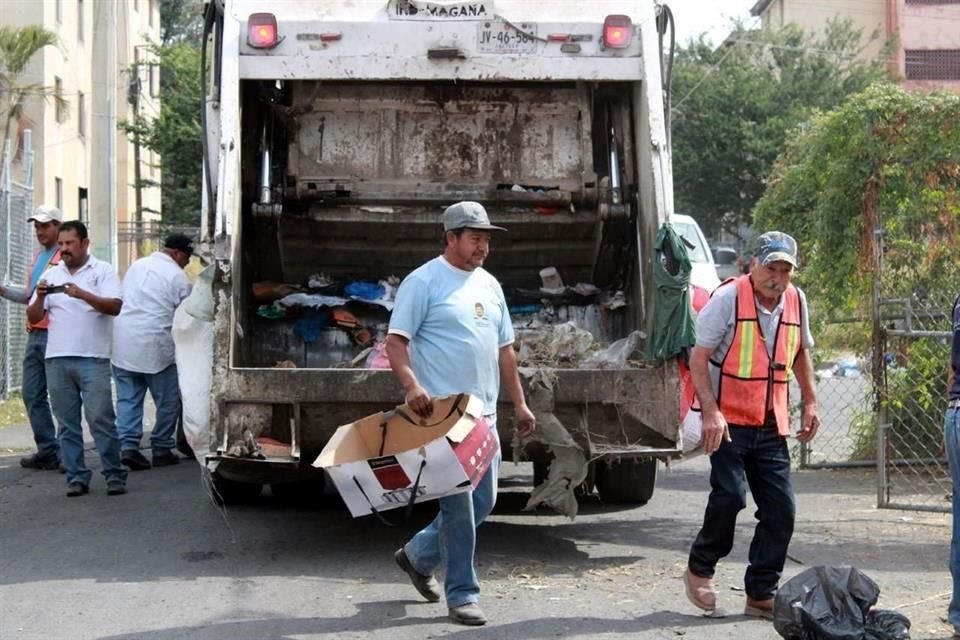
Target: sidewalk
pixel 18 438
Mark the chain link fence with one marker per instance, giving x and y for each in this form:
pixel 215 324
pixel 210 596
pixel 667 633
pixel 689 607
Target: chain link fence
pixel 17 243
pixel 881 391
pixel 845 396
pixel 912 392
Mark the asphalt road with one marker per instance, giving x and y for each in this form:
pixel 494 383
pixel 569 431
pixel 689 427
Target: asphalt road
pixel 163 562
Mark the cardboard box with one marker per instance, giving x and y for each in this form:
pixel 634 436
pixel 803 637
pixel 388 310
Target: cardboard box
pixel 379 462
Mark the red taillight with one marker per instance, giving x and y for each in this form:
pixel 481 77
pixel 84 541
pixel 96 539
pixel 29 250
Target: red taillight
pixel 262 30
pixel 617 32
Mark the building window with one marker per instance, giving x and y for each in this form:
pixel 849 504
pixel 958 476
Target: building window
pixel 82 205
pixel 153 77
pixel 80 20
pixel 81 114
pixel 932 64
pixel 60 109
pixel 58 191
pixel 150 8
pixel 136 5
pixel 59 11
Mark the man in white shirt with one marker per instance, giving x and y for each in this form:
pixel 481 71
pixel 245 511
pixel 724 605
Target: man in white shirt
pixel 79 298
pixel 143 354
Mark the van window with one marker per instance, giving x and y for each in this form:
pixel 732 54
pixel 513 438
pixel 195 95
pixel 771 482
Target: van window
pixel 698 251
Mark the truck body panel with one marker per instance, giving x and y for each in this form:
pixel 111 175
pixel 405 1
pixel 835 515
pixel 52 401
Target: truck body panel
pixel 333 154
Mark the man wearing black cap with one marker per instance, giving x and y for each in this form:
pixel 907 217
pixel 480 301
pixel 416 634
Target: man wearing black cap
pixel 143 355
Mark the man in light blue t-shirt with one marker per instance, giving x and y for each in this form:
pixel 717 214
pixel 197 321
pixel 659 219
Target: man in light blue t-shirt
pixel 450 332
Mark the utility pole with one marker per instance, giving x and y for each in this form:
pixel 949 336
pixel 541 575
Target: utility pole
pixel 133 96
pixel 111 38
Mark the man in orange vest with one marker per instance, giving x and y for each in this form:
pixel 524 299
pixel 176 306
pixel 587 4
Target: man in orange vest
pixel 46 223
pixel 752 336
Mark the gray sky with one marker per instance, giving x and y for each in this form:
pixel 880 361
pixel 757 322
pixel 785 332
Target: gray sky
pixel 713 17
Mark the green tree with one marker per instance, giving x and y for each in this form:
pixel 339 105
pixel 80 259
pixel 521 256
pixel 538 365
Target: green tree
pixel 175 133
pixel 886 159
pixel 17 48
pixel 180 20
pixel 733 106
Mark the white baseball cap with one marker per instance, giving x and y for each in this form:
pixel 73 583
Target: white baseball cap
pixel 46 213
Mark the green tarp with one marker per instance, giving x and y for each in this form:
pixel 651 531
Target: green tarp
pixel 673 328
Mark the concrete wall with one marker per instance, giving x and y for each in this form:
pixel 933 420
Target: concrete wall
pixel 914 26
pixel 924 27
pixel 869 16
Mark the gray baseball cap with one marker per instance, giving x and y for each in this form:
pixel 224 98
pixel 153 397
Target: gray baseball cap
pixel 775 246
pixel 469 215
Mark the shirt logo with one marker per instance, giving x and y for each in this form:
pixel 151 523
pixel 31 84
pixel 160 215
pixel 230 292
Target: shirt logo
pixel 478 310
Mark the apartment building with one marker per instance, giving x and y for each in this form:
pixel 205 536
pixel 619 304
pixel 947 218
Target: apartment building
pixel 82 162
pixel 927 32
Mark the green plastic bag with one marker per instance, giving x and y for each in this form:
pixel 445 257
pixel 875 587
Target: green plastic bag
pixel 673 326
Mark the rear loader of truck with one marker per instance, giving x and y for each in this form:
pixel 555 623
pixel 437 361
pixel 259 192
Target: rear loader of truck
pixel 336 135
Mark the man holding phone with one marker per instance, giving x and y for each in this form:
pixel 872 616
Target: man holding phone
pixel 752 335
pixel 46 224
pixel 79 299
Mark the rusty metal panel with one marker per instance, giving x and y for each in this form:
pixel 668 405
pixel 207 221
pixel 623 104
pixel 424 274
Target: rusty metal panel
pixel 621 408
pixel 415 132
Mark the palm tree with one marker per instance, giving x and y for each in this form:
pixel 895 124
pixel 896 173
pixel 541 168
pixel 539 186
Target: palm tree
pixel 17 47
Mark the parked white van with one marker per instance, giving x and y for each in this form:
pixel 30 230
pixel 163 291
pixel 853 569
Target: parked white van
pixel 704 272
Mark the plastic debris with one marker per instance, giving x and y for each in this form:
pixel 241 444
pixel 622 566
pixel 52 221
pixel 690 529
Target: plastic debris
pixel 271 311
pixel 308 328
pixel 554 345
pixel 616 301
pixel 364 291
pixel 311 300
pixel 270 291
pixel 377 358
pixel 616 356
pixel 831 603
pixel 319 281
pixel 569 468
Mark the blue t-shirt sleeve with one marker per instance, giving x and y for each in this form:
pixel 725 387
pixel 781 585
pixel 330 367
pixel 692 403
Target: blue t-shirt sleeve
pixel 506 335
pixel 409 308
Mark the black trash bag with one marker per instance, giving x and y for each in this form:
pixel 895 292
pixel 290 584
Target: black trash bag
pixel 883 624
pixel 833 603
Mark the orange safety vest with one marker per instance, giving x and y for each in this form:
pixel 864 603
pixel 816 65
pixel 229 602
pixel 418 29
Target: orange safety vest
pixel 750 384
pixel 54 261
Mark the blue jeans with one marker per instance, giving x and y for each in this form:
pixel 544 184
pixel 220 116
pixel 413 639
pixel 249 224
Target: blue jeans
pixel 952 437
pixel 77 383
pixel 758 457
pixel 131 390
pixel 449 541
pixel 35 395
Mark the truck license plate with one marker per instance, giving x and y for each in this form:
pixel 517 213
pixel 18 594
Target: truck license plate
pixel 496 36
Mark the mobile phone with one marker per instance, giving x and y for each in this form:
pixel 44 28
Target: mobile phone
pixel 56 288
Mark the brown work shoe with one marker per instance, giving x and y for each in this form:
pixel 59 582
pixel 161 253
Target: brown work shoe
pixel 700 591
pixel 759 608
pixel 427 586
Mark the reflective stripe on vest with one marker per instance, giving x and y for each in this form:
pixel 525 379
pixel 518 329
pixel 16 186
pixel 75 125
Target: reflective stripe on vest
pixel 750 384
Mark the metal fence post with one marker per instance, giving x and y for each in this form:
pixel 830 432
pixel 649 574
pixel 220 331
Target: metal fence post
pixel 7 220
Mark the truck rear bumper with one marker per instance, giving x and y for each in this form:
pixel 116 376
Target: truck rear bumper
pixel 610 412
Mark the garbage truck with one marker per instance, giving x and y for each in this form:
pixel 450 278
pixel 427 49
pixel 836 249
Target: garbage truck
pixel 335 134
